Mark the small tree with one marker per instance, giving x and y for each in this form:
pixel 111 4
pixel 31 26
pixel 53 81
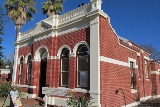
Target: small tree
pixel 155 54
pixel 8 60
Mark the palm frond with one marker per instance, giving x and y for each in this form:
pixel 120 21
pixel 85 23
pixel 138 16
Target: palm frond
pixel 52 7
pixel 18 10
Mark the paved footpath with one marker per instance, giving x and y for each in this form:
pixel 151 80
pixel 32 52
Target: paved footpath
pixel 1 103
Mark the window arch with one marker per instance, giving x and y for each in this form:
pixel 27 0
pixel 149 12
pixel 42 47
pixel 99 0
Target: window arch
pixel 82 67
pixel 64 67
pixel 20 70
pixel 29 69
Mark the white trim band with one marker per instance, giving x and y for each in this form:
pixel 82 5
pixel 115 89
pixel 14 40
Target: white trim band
pixel 114 61
pixel 118 62
pixel 154 72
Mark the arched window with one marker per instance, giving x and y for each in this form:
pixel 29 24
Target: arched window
pixel 29 69
pixel 20 70
pixel 64 67
pixel 82 67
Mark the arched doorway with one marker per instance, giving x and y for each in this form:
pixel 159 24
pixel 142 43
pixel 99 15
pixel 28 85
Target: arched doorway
pixel 42 79
pixel 42 55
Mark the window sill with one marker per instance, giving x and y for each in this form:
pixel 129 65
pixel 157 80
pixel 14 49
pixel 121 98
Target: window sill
pixel 147 79
pixel 81 90
pixel 25 86
pixel 63 88
pixel 133 91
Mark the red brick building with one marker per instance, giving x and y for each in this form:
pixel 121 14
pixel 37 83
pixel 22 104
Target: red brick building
pixel 80 51
pixel 5 74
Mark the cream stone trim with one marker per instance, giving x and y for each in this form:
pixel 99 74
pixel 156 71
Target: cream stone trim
pixel 36 60
pixel 154 72
pixel 37 53
pixel 61 48
pixel 25 86
pixel 118 62
pixel 145 57
pixel 80 90
pixel 23 45
pixel 72 55
pixel 145 98
pixel 133 60
pixel 95 59
pixel 138 54
pixel 31 95
pixel 113 61
pixel 133 90
pixel 26 58
pixel 132 104
pixel 22 56
pixel 53 57
pixel 126 47
pixel 78 44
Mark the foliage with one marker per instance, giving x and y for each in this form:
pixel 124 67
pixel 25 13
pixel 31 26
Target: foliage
pixel 20 11
pixel 8 61
pixel 155 54
pixel 2 23
pixel 2 27
pixel 2 64
pixel 52 7
pixel 5 88
pixel 78 99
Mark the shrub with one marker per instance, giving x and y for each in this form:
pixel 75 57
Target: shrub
pixel 5 88
pixel 78 99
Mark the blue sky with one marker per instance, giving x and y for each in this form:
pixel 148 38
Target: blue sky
pixel 136 20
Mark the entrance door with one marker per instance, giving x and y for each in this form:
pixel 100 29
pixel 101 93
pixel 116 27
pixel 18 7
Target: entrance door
pixel 42 81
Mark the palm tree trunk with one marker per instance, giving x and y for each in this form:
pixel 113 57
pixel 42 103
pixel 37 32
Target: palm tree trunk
pixel 17 31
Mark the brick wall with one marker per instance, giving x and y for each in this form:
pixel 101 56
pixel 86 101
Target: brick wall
pixel 53 65
pixel 155 78
pixel 114 76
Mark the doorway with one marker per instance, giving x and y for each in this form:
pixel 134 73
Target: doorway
pixel 42 79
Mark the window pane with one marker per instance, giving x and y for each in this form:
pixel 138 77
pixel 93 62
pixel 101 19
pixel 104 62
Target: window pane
pixel 64 78
pixel 83 79
pixel 29 73
pixel 65 52
pixel 20 78
pixel 133 75
pixel 83 51
pixel 65 64
pixel 83 63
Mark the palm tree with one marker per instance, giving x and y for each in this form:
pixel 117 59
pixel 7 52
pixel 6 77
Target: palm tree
pixel 20 11
pixel 52 7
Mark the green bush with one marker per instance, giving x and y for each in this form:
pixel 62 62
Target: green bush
pixel 78 99
pixel 4 90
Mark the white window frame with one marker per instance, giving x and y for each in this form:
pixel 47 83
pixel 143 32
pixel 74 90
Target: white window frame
pixel 78 85
pixel 64 71
pixel 27 77
pixel 139 72
pixel 146 69
pixel 20 71
pixel 132 74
